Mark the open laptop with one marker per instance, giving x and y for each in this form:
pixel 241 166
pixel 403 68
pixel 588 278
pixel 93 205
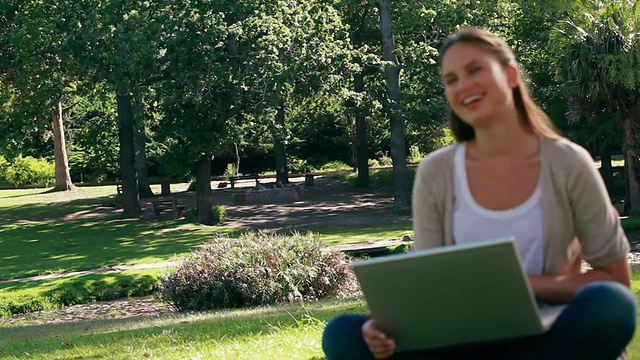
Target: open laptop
pixel 452 295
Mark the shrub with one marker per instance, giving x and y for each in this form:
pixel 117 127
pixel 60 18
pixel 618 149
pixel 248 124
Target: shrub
pixel 297 166
pixel 230 171
pixel 29 170
pixel 335 165
pixel 384 159
pixel 415 156
pixel 22 305
pixel 257 269
pixel 78 291
pixel 4 164
pixel 218 214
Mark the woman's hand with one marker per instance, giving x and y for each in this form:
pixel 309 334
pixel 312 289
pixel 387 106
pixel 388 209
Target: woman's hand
pixel 380 345
pixel 563 287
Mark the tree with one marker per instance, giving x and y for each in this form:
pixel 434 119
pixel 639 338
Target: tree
pixel 116 43
pixel 63 177
pixel 226 62
pixel 204 84
pixel 34 73
pixel 596 62
pixel 365 38
pixel 309 54
pixel 401 201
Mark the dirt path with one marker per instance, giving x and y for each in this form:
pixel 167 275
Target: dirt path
pixel 327 202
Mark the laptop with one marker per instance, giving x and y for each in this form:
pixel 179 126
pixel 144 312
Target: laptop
pixel 452 295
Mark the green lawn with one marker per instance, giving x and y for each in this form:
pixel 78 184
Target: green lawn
pixel 34 240
pixel 291 331
pixel 39 235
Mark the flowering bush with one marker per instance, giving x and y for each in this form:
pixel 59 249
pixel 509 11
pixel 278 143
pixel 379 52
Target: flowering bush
pixel 257 269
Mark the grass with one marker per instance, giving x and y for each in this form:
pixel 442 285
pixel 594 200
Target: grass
pixel 33 240
pixel 41 233
pixel 29 296
pixel 32 232
pixel 291 331
pixel 49 246
pixel 336 234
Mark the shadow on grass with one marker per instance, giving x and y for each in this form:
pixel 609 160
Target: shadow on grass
pixel 55 245
pixel 55 210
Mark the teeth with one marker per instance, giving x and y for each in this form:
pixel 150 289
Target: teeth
pixel 471 99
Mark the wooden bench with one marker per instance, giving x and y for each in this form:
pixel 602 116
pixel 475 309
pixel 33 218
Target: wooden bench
pixel 233 179
pixel 160 206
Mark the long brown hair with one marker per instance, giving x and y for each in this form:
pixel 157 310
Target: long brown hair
pixel 533 118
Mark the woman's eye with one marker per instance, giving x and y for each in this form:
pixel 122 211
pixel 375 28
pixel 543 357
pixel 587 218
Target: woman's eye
pixel 474 70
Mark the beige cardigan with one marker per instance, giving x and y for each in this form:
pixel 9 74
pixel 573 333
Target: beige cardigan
pixel 577 209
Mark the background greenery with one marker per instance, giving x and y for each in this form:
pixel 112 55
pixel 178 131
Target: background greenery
pixel 286 60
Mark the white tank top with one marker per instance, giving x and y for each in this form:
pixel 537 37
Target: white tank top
pixel 472 222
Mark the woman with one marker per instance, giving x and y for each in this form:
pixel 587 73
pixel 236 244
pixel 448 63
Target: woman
pixel 511 174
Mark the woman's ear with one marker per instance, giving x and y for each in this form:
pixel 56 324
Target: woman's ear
pixel 513 76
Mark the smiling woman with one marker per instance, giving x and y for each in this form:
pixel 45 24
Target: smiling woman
pixel 512 175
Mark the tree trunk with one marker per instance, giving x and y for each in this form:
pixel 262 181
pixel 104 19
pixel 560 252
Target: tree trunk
pixel 130 199
pixel 631 153
pixel 402 195
pixel 139 145
pixel 203 190
pixel 237 152
pixel 362 148
pixel 63 177
pixel 282 174
pixel 606 170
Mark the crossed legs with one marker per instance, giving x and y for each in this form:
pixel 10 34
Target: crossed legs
pixel 597 324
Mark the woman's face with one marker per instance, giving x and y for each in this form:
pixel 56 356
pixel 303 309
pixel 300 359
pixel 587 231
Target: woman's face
pixel 478 88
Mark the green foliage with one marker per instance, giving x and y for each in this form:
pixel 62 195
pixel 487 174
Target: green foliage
pixel 79 290
pixel 382 159
pixel 218 214
pixel 595 58
pixel 23 305
pixel 30 171
pixel 230 171
pixel 4 164
pixel 415 156
pixel 257 269
pixel 191 214
pixel 335 166
pixel 298 166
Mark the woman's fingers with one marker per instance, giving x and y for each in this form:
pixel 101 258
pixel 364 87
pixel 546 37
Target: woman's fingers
pixel 380 345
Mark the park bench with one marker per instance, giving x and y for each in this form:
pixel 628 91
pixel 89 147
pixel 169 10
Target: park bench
pixel 171 205
pixel 234 179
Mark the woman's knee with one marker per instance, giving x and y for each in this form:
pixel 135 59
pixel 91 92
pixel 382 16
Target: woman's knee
pixel 342 338
pixel 610 303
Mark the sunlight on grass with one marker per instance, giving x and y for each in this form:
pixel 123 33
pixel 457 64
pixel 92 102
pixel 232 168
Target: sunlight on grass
pixel 348 234
pixel 291 331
